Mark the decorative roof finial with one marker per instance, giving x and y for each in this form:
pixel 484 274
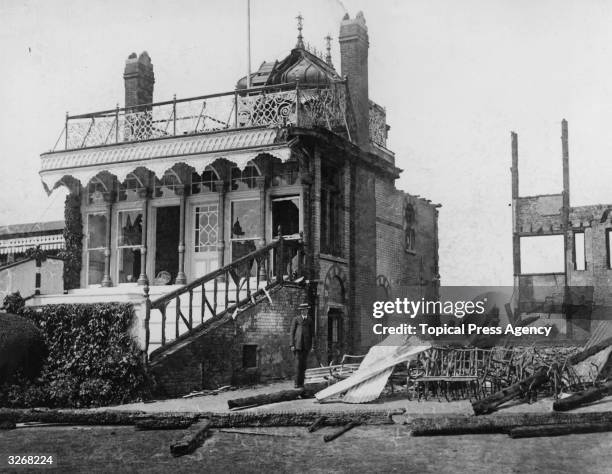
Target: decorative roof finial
pixel 300 41
pixel 328 59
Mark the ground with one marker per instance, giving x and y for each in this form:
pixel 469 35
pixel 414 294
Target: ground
pixel 387 448
pixel 363 449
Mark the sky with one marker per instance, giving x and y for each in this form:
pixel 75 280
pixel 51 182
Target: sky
pixel 455 77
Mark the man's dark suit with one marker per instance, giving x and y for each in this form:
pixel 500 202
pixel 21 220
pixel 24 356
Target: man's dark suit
pixel 300 335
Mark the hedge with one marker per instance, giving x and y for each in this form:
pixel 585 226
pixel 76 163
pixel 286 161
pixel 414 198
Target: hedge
pixel 93 360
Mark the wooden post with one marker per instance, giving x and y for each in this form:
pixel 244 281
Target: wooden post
pixel 106 279
pixel 280 259
pixel 143 280
pixel 181 278
pixel 220 188
pixel 261 184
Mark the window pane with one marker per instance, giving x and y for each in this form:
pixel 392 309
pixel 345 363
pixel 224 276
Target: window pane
pixel 95 267
pixel 206 227
pixel 286 214
pixel 96 230
pixel 130 228
pixel 245 219
pixel 129 264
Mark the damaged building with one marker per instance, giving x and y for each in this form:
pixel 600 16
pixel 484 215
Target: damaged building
pixel 572 288
pixel 216 216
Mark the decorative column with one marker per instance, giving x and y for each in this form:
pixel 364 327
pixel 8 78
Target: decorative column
pixel 220 188
pixel 106 279
pixel 143 280
pixel 181 278
pixel 261 184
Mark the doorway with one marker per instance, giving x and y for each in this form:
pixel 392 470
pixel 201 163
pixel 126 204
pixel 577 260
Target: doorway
pixel 167 227
pixel 335 349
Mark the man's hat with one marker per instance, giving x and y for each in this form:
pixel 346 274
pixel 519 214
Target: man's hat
pixel 304 306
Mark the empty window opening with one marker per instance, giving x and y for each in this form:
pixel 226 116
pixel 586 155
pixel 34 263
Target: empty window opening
pixel 579 252
pixel 286 214
pixel 542 254
pixel 249 356
pixel 609 247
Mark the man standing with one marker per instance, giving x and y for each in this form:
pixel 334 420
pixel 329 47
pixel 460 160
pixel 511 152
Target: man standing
pixel 301 335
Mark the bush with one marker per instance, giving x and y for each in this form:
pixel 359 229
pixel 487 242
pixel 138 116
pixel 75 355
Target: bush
pixel 22 348
pixel 92 360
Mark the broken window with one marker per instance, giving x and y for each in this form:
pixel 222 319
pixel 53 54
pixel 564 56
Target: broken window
pixel 131 189
pixel 245 228
pixel 542 254
pixel 285 174
pixel 205 182
pixel 245 179
pixel 579 252
pixel 249 356
pixel 129 241
pixel 286 215
pixel 97 191
pixel 168 184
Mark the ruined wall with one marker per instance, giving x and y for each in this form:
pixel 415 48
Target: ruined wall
pixel 215 357
pixel 540 214
pixel 411 271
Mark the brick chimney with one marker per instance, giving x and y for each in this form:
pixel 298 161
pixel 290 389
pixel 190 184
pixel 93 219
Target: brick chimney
pixel 354 45
pixel 139 80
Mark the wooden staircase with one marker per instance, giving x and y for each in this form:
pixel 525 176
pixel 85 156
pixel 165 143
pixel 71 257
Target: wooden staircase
pixel 172 319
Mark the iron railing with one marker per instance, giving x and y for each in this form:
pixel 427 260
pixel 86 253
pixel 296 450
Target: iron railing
pixel 296 104
pixel 224 291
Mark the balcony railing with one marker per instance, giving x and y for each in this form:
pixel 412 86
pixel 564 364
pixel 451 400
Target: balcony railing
pixel 290 104
pixel 378 124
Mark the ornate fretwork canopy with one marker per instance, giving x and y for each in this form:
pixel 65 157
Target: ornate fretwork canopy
pixel 196 151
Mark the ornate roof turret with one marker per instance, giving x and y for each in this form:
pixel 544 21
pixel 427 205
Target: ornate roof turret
pixel 300 66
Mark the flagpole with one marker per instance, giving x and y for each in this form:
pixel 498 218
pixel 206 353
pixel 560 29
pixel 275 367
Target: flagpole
pixel 248 44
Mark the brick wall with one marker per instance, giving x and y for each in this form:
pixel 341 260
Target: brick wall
pixel 215 357
pixel 410 273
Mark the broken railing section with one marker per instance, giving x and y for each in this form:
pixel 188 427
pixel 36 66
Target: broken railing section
pixel 226 290
pixel 290 104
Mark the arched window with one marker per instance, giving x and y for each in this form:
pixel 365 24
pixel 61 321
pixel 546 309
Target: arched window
pixel 245 179
pixel 205 182
pixel 97 191
pixel 285 174
pixel 167 184
pixel 130 189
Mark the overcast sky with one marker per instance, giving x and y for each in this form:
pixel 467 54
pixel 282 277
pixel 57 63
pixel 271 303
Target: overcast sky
pixel 455 76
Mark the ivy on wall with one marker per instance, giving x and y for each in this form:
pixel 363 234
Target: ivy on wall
pixel 73 236
pixel 92 361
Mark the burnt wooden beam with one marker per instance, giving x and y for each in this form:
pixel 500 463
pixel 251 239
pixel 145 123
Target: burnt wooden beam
pixel 318 423
pixel 558 430
pixel 465 424
pixel 267 398
pixel 349 426
pixel 192 441
pixel 170 423
pixel 582 398
pixel 492 402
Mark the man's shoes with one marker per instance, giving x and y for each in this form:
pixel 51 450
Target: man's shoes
pixel 298 386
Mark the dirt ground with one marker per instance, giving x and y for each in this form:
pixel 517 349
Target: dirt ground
pixel 363 449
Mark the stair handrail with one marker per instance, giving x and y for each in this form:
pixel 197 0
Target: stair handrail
pixel 214 274
pixel 258 255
